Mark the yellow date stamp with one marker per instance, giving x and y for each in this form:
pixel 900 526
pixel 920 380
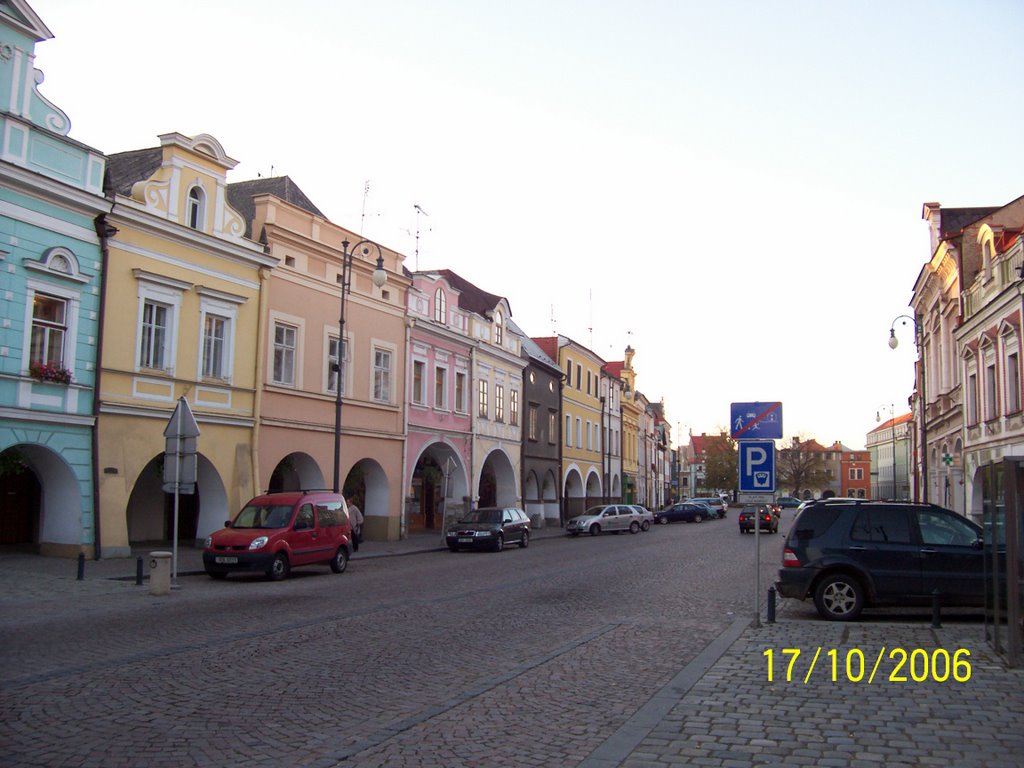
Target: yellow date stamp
pixel 895 665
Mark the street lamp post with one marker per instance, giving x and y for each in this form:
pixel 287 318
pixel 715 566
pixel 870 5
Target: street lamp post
pixel 892 425
pixel 379 278
pixel 919 343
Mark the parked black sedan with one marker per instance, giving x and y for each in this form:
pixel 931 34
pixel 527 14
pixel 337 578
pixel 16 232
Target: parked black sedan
pixel 690 513
pixel 766 515
pixel 489 528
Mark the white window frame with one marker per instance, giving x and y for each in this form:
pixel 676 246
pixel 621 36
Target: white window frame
pixel 499 402
pixel 440 306
pixel 168 293
pixel 72 299
pixel 382 376
pixel 482 405
pixel 418 391
pixel 513 407
pixel 461 392
pixel 296 352
pixel 195 207
pixel 1012 379
pixel 568 431
pixel 440 377
pixel 225 307
pixel 345 372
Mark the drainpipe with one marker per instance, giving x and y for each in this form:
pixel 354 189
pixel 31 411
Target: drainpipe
pixel 104 232
pixel 261 352
pixel 403 532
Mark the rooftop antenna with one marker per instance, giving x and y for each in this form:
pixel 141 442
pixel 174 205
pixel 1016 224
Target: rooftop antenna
pixel 590 327
pixel 553 324
pixel 418 212
pixel 366 194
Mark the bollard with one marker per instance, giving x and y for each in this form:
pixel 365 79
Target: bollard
pixel 936 610
pixel 160 573
pixel 771 604
pixel 138 571
pixel 81 566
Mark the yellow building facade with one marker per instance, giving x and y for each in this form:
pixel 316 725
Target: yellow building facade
pixel 183 297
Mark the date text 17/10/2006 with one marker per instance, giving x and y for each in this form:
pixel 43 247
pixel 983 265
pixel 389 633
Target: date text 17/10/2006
pixel 917 665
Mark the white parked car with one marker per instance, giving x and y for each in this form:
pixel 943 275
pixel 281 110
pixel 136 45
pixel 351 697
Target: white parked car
pixel 717 505
pixel 606 517
pixel 646 516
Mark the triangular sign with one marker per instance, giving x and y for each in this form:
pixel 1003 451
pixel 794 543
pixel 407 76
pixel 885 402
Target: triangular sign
pixel 182 422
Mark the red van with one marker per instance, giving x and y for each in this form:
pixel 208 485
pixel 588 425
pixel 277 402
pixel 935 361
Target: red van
pixel 279 531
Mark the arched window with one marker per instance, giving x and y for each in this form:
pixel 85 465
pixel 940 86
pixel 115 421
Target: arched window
pixel 440 307
pixel 498 327
pixel 195 207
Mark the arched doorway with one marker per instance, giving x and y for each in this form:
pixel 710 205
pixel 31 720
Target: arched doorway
pixel 594 489
pixel 497 486
pixel 42 501
pixel 575 501
pixel 150 511
pixel 296 472
pixel 366 485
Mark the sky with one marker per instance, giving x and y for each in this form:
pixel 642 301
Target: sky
pixel 734 189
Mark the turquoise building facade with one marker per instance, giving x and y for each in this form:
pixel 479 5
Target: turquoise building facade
pixel 51 267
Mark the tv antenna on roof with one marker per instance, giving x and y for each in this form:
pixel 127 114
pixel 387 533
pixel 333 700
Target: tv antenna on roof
pixel 418 212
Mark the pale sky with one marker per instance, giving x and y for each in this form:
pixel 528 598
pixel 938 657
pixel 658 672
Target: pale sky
pixel 732 188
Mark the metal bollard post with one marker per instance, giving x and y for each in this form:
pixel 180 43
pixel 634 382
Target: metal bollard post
pixel 81 566
pixel 138 571
pixel 771 604
pixel 936 610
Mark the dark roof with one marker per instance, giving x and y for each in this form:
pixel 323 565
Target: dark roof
pixel 954 220
pixel 241 193
pixel 126 168
pixel 533 350
pixel 470 297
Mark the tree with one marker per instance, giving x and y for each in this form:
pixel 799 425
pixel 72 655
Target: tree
pixel 721 469
pixel 799 467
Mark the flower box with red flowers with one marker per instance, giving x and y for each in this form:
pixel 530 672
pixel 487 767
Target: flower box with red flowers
pixel 49 372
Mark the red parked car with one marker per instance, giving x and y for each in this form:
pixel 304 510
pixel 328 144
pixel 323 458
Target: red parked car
pixel 279 531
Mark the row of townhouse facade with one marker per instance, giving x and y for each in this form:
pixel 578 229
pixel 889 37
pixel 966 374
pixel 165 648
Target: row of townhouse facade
pixel 967 307
pixel 135 280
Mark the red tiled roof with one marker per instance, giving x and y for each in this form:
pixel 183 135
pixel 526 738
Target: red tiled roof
pixel 892 422
pixel 614 369
pixel 549 344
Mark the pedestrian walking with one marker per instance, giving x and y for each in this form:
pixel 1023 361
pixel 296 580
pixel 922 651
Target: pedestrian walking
pixel 355 518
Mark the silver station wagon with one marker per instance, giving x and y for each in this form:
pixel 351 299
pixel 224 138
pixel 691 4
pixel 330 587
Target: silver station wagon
pixel 612 518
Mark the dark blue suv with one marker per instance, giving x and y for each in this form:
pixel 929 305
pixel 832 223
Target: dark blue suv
pixel 850 554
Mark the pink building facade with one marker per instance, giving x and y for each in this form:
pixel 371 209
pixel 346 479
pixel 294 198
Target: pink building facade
pixel 439 443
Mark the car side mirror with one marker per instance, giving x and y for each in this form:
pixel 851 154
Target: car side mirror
pixel 227 523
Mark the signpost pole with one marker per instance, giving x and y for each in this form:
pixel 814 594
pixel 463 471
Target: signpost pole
pixel 177 499
pixel 757 568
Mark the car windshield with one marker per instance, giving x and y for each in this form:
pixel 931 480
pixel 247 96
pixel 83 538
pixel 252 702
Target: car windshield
pixel 482 516
pixel 264 516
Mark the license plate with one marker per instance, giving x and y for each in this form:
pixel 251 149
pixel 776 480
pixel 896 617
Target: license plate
pixel 466 540
pixel 225 560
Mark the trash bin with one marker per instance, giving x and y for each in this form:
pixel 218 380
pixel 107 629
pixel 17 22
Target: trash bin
pixel 160 573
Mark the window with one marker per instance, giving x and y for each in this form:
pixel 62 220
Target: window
pixel 1012 383
pixel 588 382
pixel 153 348
pixel 568 372
pixel 481 403
pixel 333 367
pixel 49 330
pixel 285 344
pixel 972 398
pixel 498 329
pixel 552 427
pixel 215 347
pixel 460 392
pixel 513 407
pixel 991 410
pixel 883 525
pixel 531 422
pixel 590 444
pixel 418 368
pixel 195 207
pixel 440 307
pixel 499 402
pixel 381 375
pixel 856 473
pixel 579 432
pixel 939 528
pixel 579 376
pixel 440 388
pixel 568 431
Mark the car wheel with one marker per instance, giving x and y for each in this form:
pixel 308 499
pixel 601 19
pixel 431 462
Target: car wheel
pixel 698 519
pixel 499 543
pixel 525 541
pixel 634 527
pixel 663 520
pixel 340 560
pixel 839 598
pixel 217 575
pixel 279 567
pixel 595 529
pixel 645 525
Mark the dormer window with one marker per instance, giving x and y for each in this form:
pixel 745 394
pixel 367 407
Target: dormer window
pixel 440 307
pixel 195 207
pixel 498 327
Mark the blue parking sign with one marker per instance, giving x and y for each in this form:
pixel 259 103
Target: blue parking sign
pixel 757 466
